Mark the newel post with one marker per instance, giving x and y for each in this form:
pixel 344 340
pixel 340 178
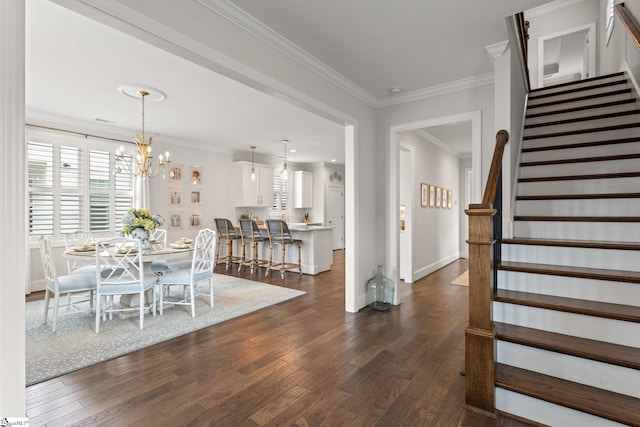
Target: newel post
pixel 480 335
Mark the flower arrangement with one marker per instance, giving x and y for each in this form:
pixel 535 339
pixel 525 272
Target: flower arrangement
pixel 140 218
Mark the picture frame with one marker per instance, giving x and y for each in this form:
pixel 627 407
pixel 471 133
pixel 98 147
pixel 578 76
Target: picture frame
pixel 175 220
pixel 445 194
pixel 432 196
pixel 175 196
pixel 424 194
pixel 195 197
pixel 175 174
pixel 438 197
pixel 195 220
pixel 449 197
pixel 195 175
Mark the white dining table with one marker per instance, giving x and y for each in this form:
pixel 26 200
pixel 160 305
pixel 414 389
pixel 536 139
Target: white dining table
pixel 148 256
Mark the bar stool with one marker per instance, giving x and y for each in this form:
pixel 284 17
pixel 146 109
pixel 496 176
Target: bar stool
pixel 226 231
pixel 251 235
pixel 279 234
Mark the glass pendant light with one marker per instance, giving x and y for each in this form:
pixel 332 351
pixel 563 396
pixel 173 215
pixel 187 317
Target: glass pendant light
pixel 253 169
pixel 284 173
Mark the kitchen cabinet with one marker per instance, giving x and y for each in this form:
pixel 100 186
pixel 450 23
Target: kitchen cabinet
pixel 302 189
pixel 248 193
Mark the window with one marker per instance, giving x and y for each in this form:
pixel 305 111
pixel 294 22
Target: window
pixel 280 194
pixel 71 185
pixel 610 19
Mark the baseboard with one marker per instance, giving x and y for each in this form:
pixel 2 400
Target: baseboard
pixel 425 271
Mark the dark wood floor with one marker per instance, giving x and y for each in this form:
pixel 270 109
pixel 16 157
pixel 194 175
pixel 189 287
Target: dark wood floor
pixel 303 362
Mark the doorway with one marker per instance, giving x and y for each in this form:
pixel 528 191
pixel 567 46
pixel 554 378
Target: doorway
pixel 335 215
pixel 567 56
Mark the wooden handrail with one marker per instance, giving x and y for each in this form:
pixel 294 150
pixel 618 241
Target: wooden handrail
pixel 629 23
pixel 502 137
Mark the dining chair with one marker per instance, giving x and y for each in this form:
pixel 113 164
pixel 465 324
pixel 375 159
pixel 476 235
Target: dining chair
pixel 121 259
pixel 227 232
pixel 251 236
pixel 69 284
pixel 201 269
pixel 158 242
pixel 78 238
pixel 279 235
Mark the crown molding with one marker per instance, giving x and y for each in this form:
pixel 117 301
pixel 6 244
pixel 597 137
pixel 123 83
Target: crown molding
pixel 549 7
pixel 497 50
pixel 427 136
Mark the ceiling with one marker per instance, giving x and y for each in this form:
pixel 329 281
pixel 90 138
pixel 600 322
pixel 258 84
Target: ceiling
pixel 75 66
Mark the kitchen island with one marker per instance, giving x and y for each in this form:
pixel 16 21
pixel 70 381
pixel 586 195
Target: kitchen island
pixel 316 253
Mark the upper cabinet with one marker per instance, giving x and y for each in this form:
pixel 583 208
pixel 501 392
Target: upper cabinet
pixel 250 193
pixel 302 189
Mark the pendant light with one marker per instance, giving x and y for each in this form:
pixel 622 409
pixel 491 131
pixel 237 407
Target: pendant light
pixel 284 173
pixel 253 169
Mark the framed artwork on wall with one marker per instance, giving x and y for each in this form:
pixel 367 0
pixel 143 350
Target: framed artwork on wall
pixel 195 220
pixel 449 197
pixel 432 196
pixel 424 194
pixel 195 175
pixel 195 197
pixel 175 220
pixel 438 197
pixel 175 197
pixel 445 194
pixel 175 174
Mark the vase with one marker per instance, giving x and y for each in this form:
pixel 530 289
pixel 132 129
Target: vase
pixel 142 235
pixel 380 290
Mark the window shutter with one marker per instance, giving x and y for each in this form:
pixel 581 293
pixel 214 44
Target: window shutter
pixel 70 212
pixel 280 193
pixel 123 180
pixel 99 212
pixel 99 167
pixel 40 161
pixel 70 167
pixel 123 204
pixel 40 212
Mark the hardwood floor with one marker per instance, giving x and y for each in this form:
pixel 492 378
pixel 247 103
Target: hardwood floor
pixel 303 362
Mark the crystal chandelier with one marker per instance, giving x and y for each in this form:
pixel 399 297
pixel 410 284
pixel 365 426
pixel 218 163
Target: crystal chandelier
pixel 142 164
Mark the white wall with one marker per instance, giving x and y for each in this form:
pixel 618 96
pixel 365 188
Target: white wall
pixel 436 231
pixel 463 164
pixel 621 54
pixel 573 15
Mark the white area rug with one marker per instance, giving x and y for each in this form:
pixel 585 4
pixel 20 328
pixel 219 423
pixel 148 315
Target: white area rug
pixel 75 344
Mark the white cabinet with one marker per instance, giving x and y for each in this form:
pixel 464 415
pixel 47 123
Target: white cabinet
pixel 302 189
pixel 248 193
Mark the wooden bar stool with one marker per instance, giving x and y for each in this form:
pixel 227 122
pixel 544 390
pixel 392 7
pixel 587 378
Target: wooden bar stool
pixel 226 231
pixel 279 235
pixel 251 235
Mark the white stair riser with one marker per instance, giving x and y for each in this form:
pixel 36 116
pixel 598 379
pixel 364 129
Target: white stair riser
pixel 587 92
pixel 578 104
pixel 587 124
pixel 579 207
pixel 574 153
pixel 614 378
pixel 612 134
pixel 547 413
pixel 570 287
pixel 578 186
pixel 628 106
pixel 575 257
pixel 612 231
pixel 582 85
pixel 567 169
pixel 590 327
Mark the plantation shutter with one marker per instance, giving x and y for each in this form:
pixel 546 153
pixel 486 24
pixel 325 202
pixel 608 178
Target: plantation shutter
pixel 280 193
pixel 40 169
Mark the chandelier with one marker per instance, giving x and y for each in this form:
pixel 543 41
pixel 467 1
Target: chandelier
pixel 142 164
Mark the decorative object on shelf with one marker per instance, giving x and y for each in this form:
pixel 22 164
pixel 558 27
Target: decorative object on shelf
pixel 253 169
pixel 142 164
pixel 138 223
pixel 380 291
pixel 284 173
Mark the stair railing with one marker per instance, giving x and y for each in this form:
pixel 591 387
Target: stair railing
pixel 480 334
pixel 629 23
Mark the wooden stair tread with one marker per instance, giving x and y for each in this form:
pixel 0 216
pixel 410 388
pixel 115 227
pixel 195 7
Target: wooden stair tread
pixel 628 313
pixel 581 131
pixel 595 244
pixel 582 108
pixel 576 82
pixel 579 98
pixel 576 218
pixel 580 177
pixel 569 90
pixel 580 196
pixel 581 144
pixel 602 403
pixel 570 271
pixel 583 119
pixel 581 160
pixel 614 354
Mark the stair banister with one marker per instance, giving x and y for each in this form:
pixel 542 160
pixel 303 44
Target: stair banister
pixel 629 23
pixel 480 334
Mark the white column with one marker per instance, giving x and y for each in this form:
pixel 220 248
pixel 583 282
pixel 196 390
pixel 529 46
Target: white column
pixel 14 252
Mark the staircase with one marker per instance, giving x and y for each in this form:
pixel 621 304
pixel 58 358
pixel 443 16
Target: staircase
pixel 567 308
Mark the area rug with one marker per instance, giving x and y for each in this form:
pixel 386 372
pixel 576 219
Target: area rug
pixel 75 344
pixel 461 280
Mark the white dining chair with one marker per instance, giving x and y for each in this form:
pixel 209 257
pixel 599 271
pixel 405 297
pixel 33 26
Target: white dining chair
pixel 121 259
pixel 158 241
pixel 78 238
pixel 69 284
pixel 201 270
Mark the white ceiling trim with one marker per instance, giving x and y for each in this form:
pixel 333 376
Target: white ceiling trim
pixel 256 28
pixel 429 137
pixel 497 50
pixel 259 30
pixel 549 7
